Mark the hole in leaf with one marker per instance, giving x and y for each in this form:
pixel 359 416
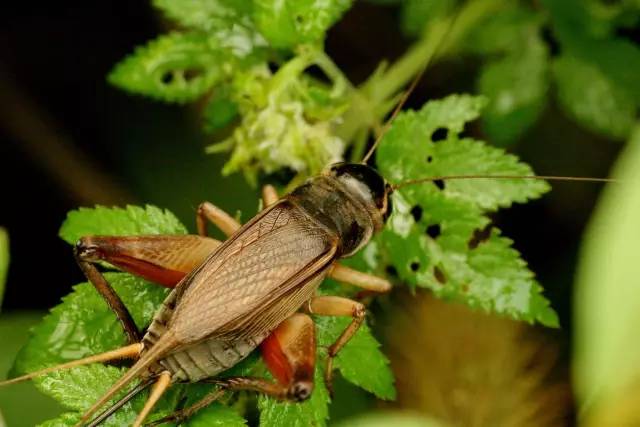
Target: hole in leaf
pixel 415 266
pixel 439 275
pixel 429 159
pixel 416 212
pixel 439 183
pixel 192 73
pixel 391 271
pixel 479 235
pixel 433 231
pixel 167 77
pixel 439 134
pixel 299 19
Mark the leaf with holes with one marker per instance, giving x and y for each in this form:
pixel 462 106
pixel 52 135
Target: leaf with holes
pixel 437 236
pixel 177 67
pixel 288 24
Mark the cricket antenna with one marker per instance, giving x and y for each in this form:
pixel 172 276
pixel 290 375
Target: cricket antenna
pixel 538 177
pixel 407 93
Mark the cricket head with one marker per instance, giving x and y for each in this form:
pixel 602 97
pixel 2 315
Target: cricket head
pixel 368 186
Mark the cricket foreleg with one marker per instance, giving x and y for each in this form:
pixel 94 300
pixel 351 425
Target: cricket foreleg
pixel 289 353
pixel 337 306
pixel 366 281
pixel 160 259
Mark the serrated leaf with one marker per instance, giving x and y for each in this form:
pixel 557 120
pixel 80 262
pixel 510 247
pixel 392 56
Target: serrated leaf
pixel 84 325
pixel 429 237
pixel 592 99
pixel 360 361
pixel 207 15
pixel 129 221
pixel 177 67
pixel 408 152
pixel 288 24
pixel 4 260
pixel 216 415
pixel 312 412
pixel 81 387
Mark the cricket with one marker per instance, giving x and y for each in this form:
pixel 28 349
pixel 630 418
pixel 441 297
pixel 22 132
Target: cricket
pixel 254 291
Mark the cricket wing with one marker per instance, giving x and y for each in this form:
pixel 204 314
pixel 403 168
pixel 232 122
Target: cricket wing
pixel 274 254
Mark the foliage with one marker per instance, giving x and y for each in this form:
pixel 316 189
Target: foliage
pixel 431 239
pixel 276 101
pixel 607 305
pixel 83 325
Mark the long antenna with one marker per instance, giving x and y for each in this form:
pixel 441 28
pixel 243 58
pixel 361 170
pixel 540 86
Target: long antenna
pixel 538 177
pixel 407 93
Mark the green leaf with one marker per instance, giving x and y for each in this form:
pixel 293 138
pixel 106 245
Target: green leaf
pixel 130 221
pixel 68 419
pixel 516 87
pixel 216 415
pixel 408 152
pixel 503 33
pixel 177 67
pixel 416 14
pixel 514 76
pixel 593 99
pixel 84 325
pixel 607 301
pixel 288 24
pixel 579 35
pixel 360 362
pixel 207 15
pixel 81 387
pixel 438 238
pixel 312 412
pixel 4 260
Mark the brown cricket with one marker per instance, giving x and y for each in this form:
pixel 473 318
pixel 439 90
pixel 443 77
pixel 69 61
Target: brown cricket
pixel 231 297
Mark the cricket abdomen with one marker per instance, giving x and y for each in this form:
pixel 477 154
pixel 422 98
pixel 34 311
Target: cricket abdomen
pixel 201 360
pixel 207 359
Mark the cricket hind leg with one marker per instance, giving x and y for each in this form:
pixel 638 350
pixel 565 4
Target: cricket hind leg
pixel 289 353
pixel 337 306
pixel 160 259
